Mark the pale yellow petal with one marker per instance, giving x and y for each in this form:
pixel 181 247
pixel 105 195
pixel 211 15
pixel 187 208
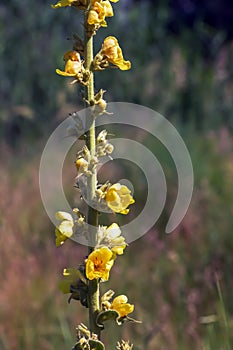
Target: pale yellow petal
pixel 123 65
pixel 64 74
pixel 119 250
pixel 62 3
pixel 113 231
pixel 119 300
pixel 121 306
pixel 66 228
pixel 62 215
pixel 124 211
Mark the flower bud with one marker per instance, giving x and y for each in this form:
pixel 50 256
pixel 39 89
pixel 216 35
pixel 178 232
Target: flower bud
pixel 81 165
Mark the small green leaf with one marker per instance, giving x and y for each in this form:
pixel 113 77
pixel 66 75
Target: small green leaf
pixel 106 316
pixel 96 345
pixel 121 320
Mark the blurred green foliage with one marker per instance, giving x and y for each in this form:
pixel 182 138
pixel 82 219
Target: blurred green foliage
pixel 185 77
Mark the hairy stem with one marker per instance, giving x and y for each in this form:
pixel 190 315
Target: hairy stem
pixel 92 215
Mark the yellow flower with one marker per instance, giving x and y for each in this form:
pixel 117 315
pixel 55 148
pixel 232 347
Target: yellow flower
pixel 119 249
pixel 113 53
pixel 63 3
pixel 65 229
pixel 99 263
pixel 113 234
pixel 99 10
pixel 73 64
pixel 111 237
pixel 81 4
pixel 120 305
pixel 71 277
pixel 118 198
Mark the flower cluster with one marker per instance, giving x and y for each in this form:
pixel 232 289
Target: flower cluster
pixel 119 304
pixel 85 163
pixel 100 9
pixel 115 197
pixel 112 238
pixel 103 146
pixel 110 53
pixel 88 340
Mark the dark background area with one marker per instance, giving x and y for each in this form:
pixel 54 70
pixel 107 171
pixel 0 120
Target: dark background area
pixel 34 38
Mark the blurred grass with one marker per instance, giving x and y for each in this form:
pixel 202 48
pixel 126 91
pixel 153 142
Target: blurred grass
pixel 170 278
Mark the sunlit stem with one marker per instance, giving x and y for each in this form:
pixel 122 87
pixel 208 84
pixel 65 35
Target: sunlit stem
pixel 92 215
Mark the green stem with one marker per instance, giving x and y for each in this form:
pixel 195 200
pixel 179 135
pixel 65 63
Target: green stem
pixel 92 214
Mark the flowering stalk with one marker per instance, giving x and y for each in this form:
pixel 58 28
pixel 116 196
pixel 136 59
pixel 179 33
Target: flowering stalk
pixel 104 243
pixel 92 215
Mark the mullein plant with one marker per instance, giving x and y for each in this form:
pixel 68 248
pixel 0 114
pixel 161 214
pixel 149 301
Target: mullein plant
pixel 105 243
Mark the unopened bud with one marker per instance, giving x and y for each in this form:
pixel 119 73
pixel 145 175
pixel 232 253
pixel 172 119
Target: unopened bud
pixel 81 165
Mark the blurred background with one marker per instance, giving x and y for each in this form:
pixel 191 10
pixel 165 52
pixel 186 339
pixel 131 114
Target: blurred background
pixel 181 284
